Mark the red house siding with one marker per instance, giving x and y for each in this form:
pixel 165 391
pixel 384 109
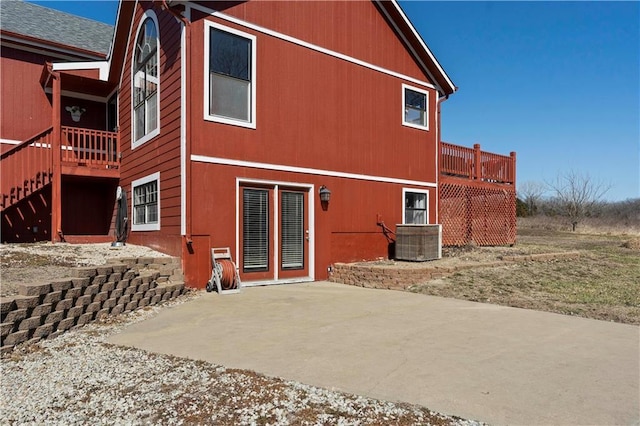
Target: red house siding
pixel 313 111
pixel 162 153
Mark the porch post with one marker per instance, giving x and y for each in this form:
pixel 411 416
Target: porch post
pixel 56 153
pixel 477 162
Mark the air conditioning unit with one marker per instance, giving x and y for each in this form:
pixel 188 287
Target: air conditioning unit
pixel 418 243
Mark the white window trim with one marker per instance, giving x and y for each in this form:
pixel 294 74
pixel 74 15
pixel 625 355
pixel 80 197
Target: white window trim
pixel 156 131
pixel 147 226
pixel 251 124
pixel 419 90
pixel 417 191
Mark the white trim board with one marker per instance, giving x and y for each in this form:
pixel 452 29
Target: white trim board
pixel 308 45
pixel 307 170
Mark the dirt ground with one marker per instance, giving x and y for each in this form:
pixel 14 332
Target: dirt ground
pixel 44 262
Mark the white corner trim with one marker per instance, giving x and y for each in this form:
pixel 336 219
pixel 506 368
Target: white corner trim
pixel 306 170
pixel 311 46
pixel 101 66
pixel 183 124
pixel 148 226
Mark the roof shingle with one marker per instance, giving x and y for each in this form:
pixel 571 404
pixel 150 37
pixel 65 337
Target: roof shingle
pixel 36 21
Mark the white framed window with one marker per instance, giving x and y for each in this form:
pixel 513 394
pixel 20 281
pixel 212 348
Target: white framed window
pixel 145 82
pixel 230 76
pixel 415 207
pixel 415 107
pixel 145 203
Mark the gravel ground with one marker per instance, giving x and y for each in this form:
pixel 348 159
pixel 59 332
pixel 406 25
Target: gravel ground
pixel 78 378
pixel 43 262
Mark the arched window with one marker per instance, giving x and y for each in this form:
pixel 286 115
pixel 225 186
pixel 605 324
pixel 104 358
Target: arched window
pixel 146 82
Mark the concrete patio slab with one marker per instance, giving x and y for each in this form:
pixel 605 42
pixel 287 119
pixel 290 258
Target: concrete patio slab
pixel 485 362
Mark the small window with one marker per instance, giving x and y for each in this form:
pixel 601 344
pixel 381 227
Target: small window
pixel 415 112
pixel 146 203
pixel 416 211
pixel 146 83
pixel 230 81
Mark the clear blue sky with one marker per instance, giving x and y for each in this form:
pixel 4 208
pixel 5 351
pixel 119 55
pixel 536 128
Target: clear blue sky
pixel 557 82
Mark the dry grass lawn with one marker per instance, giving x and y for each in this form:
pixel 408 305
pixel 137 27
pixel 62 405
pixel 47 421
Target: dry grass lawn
pixel 603 283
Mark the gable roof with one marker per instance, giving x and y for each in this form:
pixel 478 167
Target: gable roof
pixel 54 27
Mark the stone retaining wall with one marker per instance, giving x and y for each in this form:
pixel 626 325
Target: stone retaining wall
pixel 123 285
pixel 401 278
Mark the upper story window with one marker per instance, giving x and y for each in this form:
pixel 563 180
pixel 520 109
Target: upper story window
pixel 230 67
pixel 415 209
pixel 415 107
pixel 146 82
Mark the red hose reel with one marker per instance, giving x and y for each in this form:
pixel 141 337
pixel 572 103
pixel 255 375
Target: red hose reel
pixel 224 274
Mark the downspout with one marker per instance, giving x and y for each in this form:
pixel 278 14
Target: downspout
pixel 439 102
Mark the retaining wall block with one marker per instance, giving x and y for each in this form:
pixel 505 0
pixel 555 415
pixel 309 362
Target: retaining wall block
pixel 108 286
pixel 156 299
pixel 104 270
pixel 176 293
pixel 109 303
pixel 63 305
pixel 30 323
pixel 166 296
pixel 143 287
pixel 53 297
pixel 54 317
pixel 72 293
pixel 115 277
pixel 135 282
pixel 84 319
pixel 102 313
pixel 54 334
pixel 61 285
pixel 26 302
pixel 15 315
pixel 42 310
pixel 150 293
pixel 83 272
pixel 93 307
pixel 81 282
pixel 118 292
pixel 119 268
pixel 131 306
pixel 16 337
pixel 145 260
pixel 91 290
pixel 118 309
pixel 129 275
pixel 6 328
pixel 7 304
pixel 66 324
pixel 43 331
pixel 122 284
pixel 33 289
pixel 83 300
pixel 75 312
pixel 135 297
pixel 144 302
pixel 124 299
pixel 101 297
pixel 129 291
pixel 99 280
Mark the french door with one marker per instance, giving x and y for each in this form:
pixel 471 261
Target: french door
pixel 274 238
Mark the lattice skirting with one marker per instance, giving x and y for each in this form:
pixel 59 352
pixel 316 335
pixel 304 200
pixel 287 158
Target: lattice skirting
pixel 477 214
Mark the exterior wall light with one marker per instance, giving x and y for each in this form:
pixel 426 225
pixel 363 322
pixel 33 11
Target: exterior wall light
pixel 325 194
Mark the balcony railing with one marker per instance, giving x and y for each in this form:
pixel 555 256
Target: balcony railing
pixel 92 148
pixel 472 163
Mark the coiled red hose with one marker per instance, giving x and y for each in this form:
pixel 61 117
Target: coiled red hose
pixel 228 278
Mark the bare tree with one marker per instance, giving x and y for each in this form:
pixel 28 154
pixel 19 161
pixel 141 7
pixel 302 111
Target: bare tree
pixel 577 195
pixel 531 192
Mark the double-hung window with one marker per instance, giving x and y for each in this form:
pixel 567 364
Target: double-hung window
pixel 146 83
pixel 146 203
pixel 416 207
pixel 415 107
pixel 230 76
